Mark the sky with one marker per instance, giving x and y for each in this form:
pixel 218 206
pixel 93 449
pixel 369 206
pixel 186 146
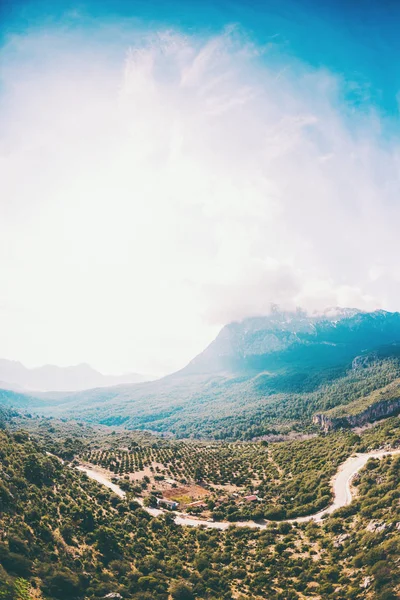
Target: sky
pixel 168 167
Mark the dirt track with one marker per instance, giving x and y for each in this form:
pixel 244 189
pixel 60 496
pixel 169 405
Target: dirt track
pixel 340 483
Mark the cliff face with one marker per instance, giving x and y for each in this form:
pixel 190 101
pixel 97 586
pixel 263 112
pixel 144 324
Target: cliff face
pixel 376 411
pixel 324 422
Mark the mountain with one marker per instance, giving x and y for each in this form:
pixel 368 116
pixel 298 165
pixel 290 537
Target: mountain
pixel 259 375
pixel 16 376
pixel 289 339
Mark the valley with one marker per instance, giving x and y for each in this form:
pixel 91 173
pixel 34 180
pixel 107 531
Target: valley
pixel 267 468
pixel 87 541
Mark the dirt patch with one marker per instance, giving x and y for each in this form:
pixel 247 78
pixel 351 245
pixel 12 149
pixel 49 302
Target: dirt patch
pixel 359 430
pixel 229 488
pixel 138 475
pixel 284 437
pixel 186 494
pixel 97 469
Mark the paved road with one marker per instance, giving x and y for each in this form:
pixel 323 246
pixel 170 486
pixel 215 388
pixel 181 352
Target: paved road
pixel 340 484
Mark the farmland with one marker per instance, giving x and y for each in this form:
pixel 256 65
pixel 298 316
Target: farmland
pixel 283 480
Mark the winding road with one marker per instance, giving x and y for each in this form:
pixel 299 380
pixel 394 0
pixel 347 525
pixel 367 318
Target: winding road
pixel 340 484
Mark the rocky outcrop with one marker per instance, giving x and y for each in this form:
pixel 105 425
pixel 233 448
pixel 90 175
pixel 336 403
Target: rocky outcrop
pixel 323 421
pixel 379 410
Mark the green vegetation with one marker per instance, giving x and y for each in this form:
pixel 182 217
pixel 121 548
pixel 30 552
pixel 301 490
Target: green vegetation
pixel 64 536
pixel 226 408
pixel 289 479
pixel 386 394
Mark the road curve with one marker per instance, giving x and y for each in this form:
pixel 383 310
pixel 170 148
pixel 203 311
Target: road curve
pixel 340 484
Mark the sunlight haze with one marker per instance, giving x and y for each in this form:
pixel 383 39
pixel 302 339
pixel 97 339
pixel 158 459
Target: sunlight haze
pixel 157 183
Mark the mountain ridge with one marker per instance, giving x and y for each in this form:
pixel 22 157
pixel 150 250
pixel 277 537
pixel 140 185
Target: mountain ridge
pixel 239 341
pixel 52 378
pixel 270 372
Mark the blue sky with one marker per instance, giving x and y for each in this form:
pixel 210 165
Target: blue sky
pixel 168 167
pixel 357 40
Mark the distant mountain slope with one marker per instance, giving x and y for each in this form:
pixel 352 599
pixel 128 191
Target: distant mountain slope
pixel 16 376
pixel 286 340
pixel 258 375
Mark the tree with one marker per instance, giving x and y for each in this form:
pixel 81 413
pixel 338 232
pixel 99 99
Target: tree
pixel 6 498
pixel 63 585
pixel 107 542
pixel 150 501
pixel 181 591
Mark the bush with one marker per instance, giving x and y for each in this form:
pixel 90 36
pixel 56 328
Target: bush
pixel 181 591
pixel 15 563
pixel 63 585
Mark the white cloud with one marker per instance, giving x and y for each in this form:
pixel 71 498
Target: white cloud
pixel 152 191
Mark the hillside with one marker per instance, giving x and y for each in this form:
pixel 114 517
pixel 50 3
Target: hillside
pixel 258 376
pixel 66 537
pixel 15 376
pixel 378 404
pixel 261 343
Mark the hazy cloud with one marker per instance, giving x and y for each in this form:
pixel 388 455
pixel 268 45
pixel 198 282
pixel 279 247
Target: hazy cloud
pixel 155 188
